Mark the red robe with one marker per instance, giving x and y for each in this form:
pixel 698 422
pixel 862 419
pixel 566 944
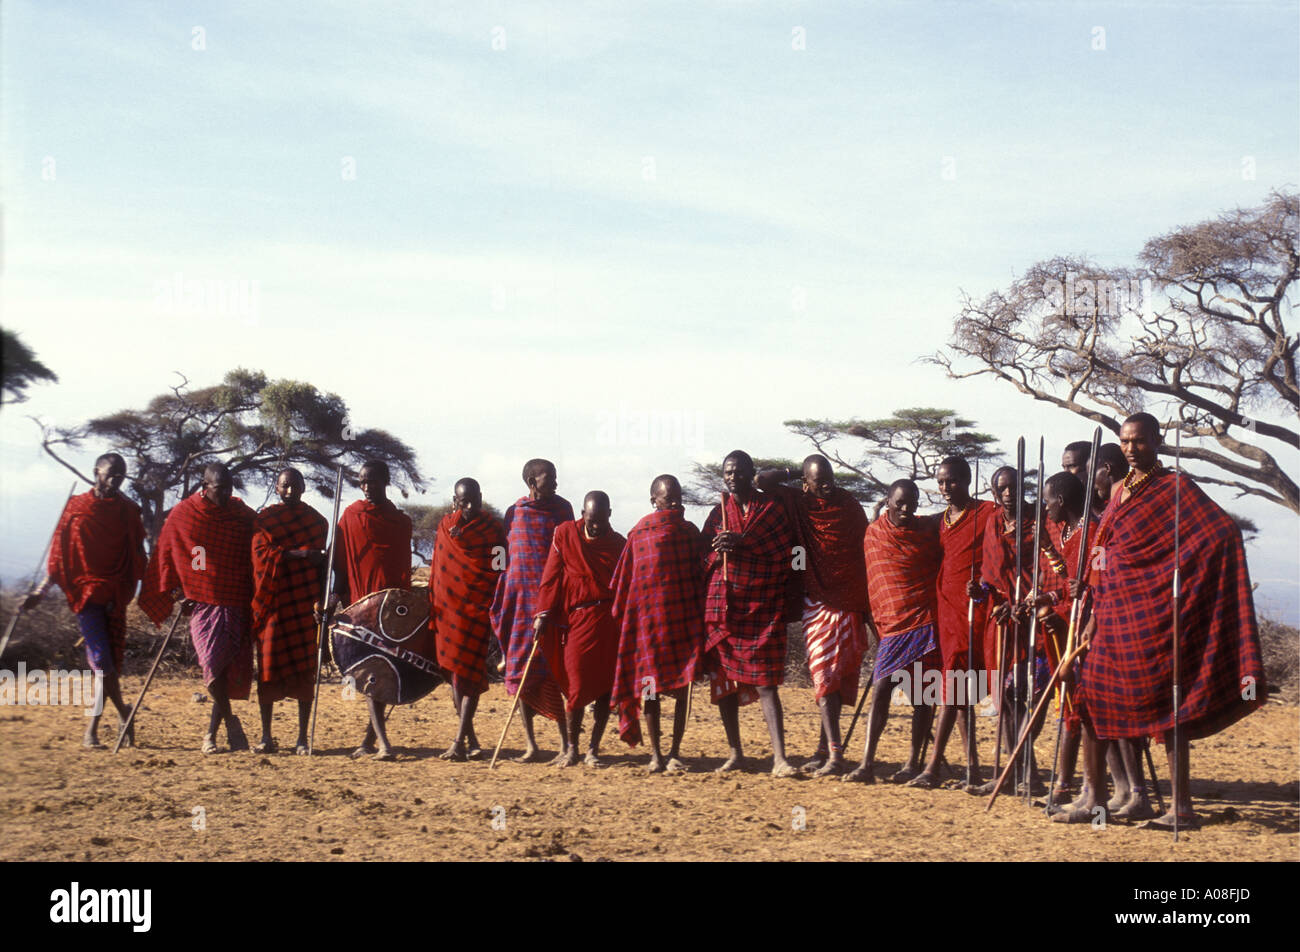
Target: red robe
pixel 462 581
pixel 1126 682
pixel 284 591
pixel 659 603
pixel 373 549
pixel 205 550
pixel 97 558
pixel 581 642
pixel 962 544
pixel 745 614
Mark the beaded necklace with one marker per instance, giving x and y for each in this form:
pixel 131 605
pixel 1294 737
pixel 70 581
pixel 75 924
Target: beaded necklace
pixel 1132 485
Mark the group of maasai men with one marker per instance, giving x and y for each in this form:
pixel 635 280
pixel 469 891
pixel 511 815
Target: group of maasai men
pixel 587 618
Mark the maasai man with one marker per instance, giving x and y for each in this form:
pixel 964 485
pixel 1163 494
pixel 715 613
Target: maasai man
pixel 372 552
pixel 659 604
pixel 288 562
pixel 468 558
pixel 579 635
pixel 97 558
pixel 205 552
pixel 903 557
pixel 1112 467
pixel 1126 683
pixel 961 537
pixel 747 572
pixel 829 524
pixel 530 525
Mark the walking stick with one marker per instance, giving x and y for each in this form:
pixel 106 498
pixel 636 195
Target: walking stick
pixel 13 621
pixel 1175 785
pixel 1002 700
pixel 844 744
pixel 723 509
pixel 325 607
pixel 514 706
pixel 1024 733
pixel 1155 781
pixel 130 718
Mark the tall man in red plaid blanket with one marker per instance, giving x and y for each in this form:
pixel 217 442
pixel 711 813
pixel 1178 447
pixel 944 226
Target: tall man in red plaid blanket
pixel 832 578
pixel 468 558
pixel 530 525
pixel 903 557
pixel 747 572
pixel 97 557
pixel 288 559
pixel 372 553
pixel 659 605
pixel 204 553
pixel 1126 684
pixel 578 633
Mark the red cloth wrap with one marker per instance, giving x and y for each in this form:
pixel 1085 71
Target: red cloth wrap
pixel 581 642
pixel 902 571
pixel 659 604
pixel 223 577
pixel 962 548
pixel 284 591
pixel 97 557
pixel 373 549
pixel 745 616
pixel 461 584
pixel 1126 683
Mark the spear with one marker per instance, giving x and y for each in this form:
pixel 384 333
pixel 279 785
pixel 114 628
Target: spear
pixel 13 621
pixel 325 604
pixel 1174 785
pixel 1033 623
pixel 970 627
pixel 1016 679
pixel 130 718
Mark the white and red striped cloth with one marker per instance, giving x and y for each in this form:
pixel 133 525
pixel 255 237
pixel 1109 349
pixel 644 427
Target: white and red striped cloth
pixel 836 642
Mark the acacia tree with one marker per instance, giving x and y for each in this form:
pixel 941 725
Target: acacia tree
pixel 21 368
pixel 911 443
pixel 1198 333
pixel 254 425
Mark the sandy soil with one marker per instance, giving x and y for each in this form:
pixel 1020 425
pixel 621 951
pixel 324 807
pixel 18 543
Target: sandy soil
pixel 58 801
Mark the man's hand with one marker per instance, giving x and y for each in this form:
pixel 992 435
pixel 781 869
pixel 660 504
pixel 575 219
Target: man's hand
pixel 727 543
pixel 974 590
pixel 539 624
pixel 1076 588
pixel 1002 612
pixel 31 601
pixel 187 607
pixel 327 613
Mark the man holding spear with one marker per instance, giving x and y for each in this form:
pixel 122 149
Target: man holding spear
pixel 1204 630
pixel 97 558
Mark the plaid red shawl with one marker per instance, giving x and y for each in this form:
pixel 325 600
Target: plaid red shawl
pixel 373 549
pixel 902 572
pixel 284 591
pixel 1127 676
pixel 97 555
pixel 530 525
pixel 962 547
pixel 221 574
pixel 745 617
pixel 581 643
pixel 830 531
pixel 461 584
pixel 659 604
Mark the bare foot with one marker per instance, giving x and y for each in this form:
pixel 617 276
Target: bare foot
pixel 454 752
pixel 302 750
pixel 735 762
pixel 209 744
pixel 676 765
pixel 656 764
pixel 475 752
pixel 1075 815
pixel 91 740
pixel 1186 821
pixel 924 781
pixel 814 763
pixel 266 746
pixel 365 750
pixel 386 753
pixel 903 774
pixel 593 759
pixel 860 774
pixel 833 766
pixel 1138 807
pixel 129 739
pixel 529 755
pixel 783 768
pixel 567 758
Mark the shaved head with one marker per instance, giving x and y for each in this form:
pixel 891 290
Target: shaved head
pixel 1149 424
pixel 601 498
pixel 666 492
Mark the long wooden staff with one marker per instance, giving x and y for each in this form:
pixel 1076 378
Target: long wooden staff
pixel 1024 732
pixel 40 567
pixel 1155 781
pixel 844 744
pixel 321 628
pixel 1031 662
pixel 515 705
pixel 970 627
pixel 1013 623
pixel 1174 784
pixel 723 508
pixel 1076 603
pixel 1002 700
pixel 130 718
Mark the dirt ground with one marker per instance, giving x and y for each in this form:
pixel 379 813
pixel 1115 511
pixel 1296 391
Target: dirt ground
pixel 167 801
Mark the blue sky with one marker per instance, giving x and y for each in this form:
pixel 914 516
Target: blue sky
pixel 669 204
